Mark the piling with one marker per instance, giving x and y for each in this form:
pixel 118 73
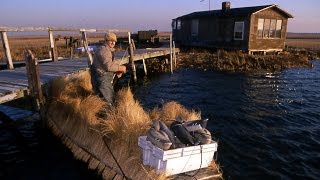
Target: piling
pixel 131 60
pixel 85 44
pixel 6 48
pixel 34 84
pixel 52 47
pixel 171 67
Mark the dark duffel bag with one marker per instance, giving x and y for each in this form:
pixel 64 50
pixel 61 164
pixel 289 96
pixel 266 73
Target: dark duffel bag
pixel 183 134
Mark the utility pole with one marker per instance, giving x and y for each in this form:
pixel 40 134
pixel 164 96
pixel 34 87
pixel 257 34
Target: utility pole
pixel 209 4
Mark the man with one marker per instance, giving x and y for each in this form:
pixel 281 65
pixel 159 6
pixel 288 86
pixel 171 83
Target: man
pixel 104 68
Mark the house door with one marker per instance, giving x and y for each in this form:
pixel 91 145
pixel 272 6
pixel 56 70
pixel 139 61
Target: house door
pixel 195 30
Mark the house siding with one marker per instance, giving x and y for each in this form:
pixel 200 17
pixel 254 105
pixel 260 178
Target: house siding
pixel 218 31
pixel 256 43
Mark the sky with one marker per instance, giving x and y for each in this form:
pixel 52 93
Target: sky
pixel 134 15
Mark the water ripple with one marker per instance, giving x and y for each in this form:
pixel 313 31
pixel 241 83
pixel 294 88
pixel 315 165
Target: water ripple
pixel 267 124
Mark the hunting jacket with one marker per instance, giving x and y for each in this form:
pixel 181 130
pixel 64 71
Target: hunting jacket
pixel 103 61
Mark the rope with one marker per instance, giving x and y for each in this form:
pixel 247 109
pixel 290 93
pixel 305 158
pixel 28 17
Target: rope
pixel 193 176
pixel 123 174
pixel 190 156
pixel 125 52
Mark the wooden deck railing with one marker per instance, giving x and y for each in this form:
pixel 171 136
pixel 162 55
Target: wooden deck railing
pixel 82 31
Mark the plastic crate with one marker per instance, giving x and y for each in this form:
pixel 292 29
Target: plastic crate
pixel 178 160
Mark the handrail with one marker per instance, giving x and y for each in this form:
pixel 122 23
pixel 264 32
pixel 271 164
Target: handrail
pixel 30 29
pixel 6 47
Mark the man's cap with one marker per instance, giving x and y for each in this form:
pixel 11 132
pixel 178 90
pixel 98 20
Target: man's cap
pixel 111 37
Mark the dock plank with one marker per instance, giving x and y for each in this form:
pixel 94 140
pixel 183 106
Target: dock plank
pixel 14 82
pixel 15 113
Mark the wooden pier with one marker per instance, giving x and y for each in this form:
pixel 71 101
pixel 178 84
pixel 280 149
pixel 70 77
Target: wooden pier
pixel 14 83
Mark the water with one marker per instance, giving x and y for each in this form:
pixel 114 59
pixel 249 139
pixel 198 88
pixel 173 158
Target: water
pixel 267 126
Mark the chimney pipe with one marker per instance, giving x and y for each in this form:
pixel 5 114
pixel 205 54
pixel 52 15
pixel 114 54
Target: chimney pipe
pixel 226 6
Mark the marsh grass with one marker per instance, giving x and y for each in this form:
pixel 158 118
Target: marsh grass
pixel 242 62
pixel 85 123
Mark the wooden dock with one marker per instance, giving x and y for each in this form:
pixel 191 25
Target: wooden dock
pixel 14 83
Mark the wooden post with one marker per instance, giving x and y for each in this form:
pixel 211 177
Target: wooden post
pixel 131 60
pixel 171 67
pixel 65 38
pixel 174 55
pixel 71 52
pixel 34 83
pixel 85 44
pixel 52 47
pixel 133 44
pixel 6 48
pixel 144 67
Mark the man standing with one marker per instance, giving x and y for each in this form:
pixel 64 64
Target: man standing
pixel 104 68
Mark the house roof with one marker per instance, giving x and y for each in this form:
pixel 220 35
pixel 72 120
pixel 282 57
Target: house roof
pixel 244 11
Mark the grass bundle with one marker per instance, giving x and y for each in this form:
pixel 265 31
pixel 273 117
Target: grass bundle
pixel 74 114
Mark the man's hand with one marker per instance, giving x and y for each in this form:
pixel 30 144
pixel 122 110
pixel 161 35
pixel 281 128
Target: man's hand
pixel 122 69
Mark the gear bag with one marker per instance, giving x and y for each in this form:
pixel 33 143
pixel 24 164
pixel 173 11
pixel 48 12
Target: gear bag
pixel 183 134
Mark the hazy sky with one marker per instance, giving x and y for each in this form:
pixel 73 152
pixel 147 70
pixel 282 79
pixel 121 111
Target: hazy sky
pixel 137 15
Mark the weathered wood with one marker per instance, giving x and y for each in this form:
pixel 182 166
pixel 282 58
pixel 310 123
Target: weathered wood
pixel 6 48
pixel 15 113
pixel 52 70
pixel 131 59
pixel 174 55
pixel 31 29
pixel 133 44
pixel 112 30
pixel 144 67
pixel 71 52
pixel 200 174
pixel 34 83
pixel 52 47
pixel 85 44
pixel 22 29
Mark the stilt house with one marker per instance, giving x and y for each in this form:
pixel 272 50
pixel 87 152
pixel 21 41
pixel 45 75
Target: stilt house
pixel 258 28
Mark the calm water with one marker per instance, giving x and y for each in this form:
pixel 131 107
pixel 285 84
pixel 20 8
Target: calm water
pixel 267 126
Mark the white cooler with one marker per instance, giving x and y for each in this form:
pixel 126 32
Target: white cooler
pixel 178 160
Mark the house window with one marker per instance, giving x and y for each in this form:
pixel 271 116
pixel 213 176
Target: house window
pixel 260 27
pixel 179 24
pixel 194 27
pixel 238 30
pixel 278 29
pixel 266 28
pixel 174 24
pixel 269 28
pixel 272 32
